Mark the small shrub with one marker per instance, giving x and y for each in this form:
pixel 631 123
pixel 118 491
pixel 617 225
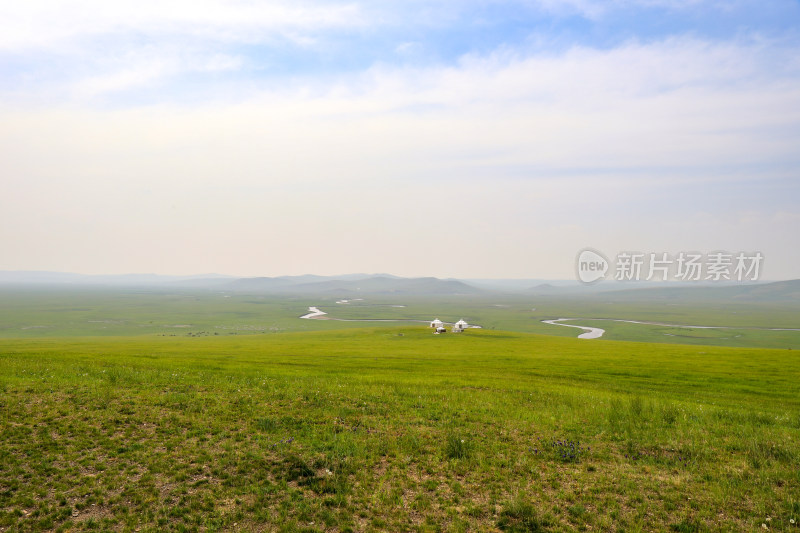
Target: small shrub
pixel 457 447
pixel 686 526
pixel 521 517
pixel 266 424
pixel 577 510
pixel 669 414
pixel 295 468
pixel 636 406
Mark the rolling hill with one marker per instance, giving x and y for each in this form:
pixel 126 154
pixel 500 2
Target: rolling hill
pixel 380 284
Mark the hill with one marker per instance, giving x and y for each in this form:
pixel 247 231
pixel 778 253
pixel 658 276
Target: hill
pixel 36 277
pixel 380 284
pixel 778 291
pixel 395 429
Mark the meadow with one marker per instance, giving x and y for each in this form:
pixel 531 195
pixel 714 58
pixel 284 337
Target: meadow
pixel 62 312
pixel 393 429
pixel 187 410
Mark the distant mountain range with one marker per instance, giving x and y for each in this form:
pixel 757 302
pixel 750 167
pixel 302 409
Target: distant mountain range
pixel 67 278
pixel 387 284
pixel 347 285
pixel 776 291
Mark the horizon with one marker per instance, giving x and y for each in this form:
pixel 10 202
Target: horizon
pixel 218 275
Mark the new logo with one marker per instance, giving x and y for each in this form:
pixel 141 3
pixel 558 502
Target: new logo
pixel 591 266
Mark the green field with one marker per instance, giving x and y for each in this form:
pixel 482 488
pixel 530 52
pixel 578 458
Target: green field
pixel 97 312
pixel 141 410
pixel 392 428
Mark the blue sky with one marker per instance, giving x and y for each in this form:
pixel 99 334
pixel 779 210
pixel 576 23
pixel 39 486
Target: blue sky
pixel 457 138
pixel 53 44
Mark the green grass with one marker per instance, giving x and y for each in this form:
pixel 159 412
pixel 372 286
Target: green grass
pixel 104 312
pixel 395 429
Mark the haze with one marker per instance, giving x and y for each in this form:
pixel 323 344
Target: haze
pixel 439 138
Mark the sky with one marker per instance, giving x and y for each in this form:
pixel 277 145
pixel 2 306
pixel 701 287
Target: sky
pixel 448 138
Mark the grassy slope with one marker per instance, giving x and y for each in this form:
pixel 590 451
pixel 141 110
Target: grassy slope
pixel 396 429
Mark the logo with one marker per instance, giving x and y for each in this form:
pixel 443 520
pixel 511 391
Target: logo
pixel 591 266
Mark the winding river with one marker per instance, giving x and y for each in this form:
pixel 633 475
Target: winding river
pixel 596 333
pixel 315 313
pixel 589 333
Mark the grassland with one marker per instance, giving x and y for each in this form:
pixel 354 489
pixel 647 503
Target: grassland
pixel 747 324
pixel 98 312
pixel 391 429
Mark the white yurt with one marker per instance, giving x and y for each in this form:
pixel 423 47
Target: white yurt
pixel 436 323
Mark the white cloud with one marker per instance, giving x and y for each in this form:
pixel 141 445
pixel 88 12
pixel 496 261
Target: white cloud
pixel 220 63
pixel 676 104
pixel 408 48
pixel 150 67
pixel 594 9
pixel 133 76
pixel 44 24
pixel 530 154
pixel 587 8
